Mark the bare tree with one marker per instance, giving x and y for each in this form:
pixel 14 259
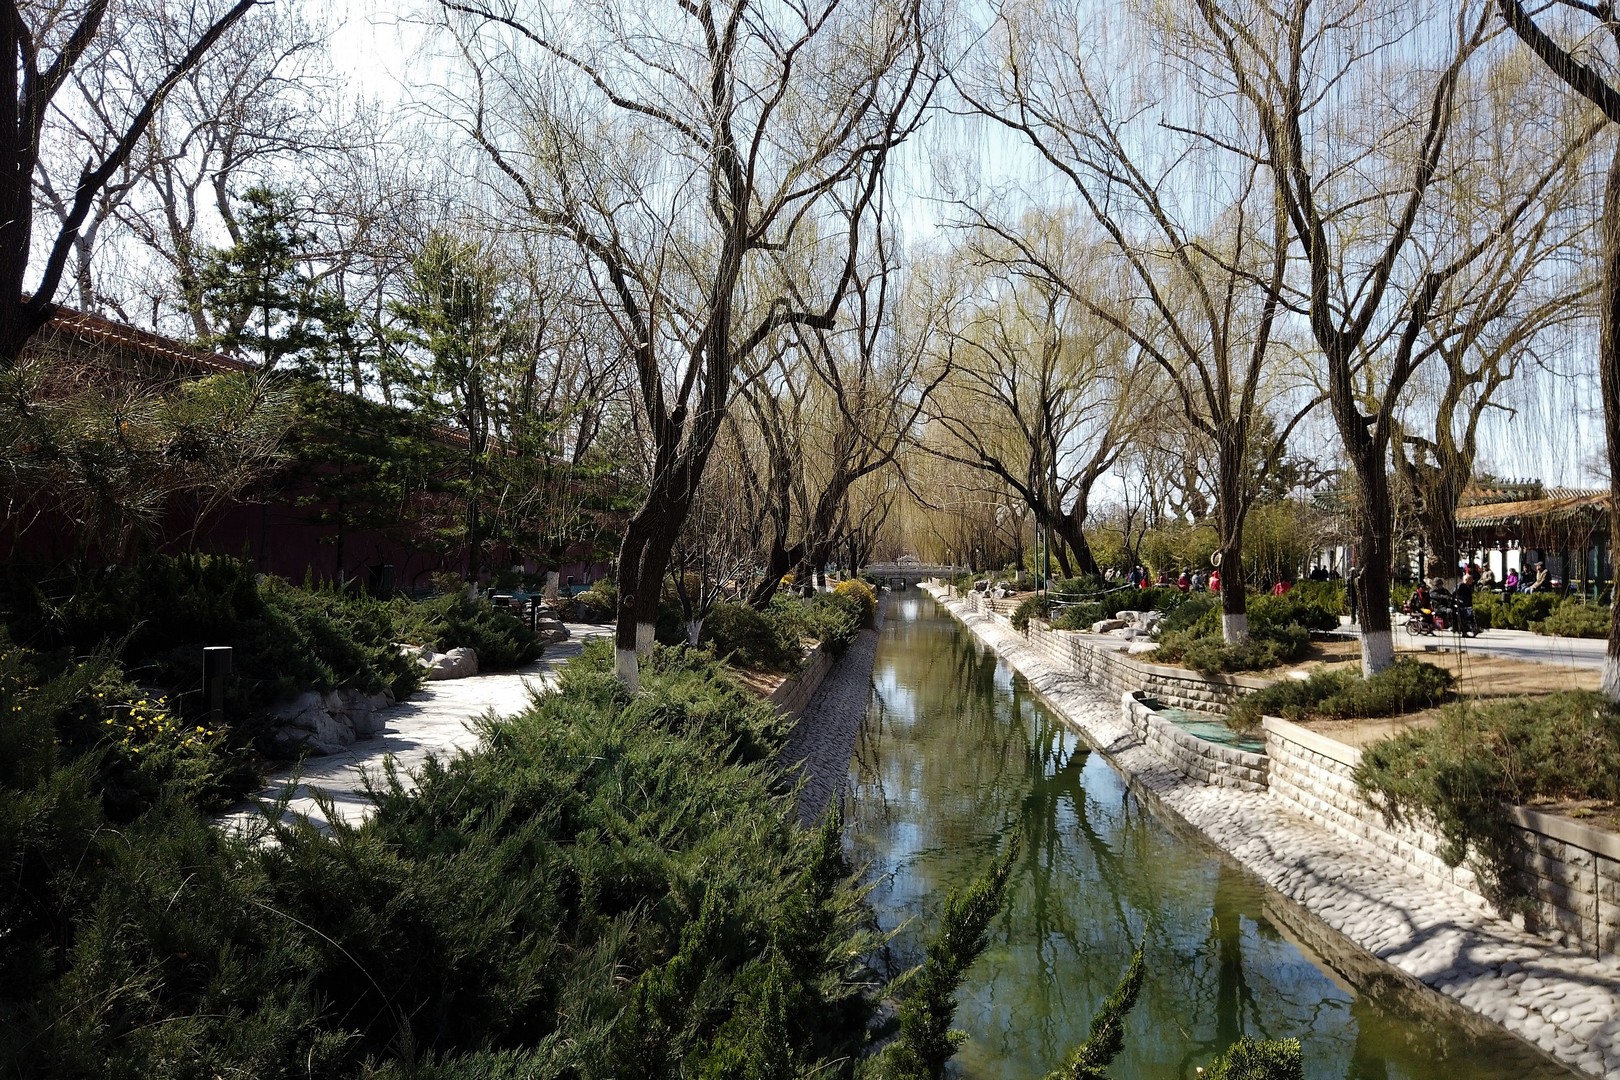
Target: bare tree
pixel 853 416
pixel 46 47
pixel 1511 309
pixel 718 544
pixel 695 155
pixel 1040 394
pixel 1590 76
pixel 259 98
pixel 1355 140
pixel 1206 275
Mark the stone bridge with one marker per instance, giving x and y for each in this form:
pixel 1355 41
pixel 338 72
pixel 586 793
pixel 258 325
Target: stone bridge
pixel 900 575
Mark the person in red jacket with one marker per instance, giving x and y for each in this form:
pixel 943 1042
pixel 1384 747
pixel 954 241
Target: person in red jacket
pixel 1215 581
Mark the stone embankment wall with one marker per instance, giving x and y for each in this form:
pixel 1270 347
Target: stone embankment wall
pixel 1195 758
pixel 1313 777
pixel 1571 871
pixel 796 691
pixel 1106 665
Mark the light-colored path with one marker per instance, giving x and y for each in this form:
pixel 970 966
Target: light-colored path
pixel 1508 644
pixel 438 719
pixel 1556 998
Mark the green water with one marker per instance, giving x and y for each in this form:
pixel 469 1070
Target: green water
pixel 1214 731
pixel 956 755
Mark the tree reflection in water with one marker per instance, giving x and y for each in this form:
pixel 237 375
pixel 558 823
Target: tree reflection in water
pixel 956 753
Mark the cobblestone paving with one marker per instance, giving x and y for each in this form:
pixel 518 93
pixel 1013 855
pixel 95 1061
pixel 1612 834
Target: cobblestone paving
pixel 438 719
pixel 822 744
pixel 1562 1001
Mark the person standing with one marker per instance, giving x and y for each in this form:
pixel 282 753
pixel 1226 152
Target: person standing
pixel 1464 597
pixel 1351 581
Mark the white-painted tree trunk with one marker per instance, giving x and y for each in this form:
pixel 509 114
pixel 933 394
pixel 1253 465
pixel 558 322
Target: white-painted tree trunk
pixel 644 640
pixel 1235 628
pixel 694 630
pixel 1610 686
pixel 1377 651
pixel 627 669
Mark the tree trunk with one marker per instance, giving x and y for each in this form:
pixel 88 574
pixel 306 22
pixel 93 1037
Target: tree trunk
pixel 1231 514
pixel 1064 566
pixel 644 557
pixel 624 634
pixel 1068 529
pixel 781 559
pixel 1609 380
pixel 1375 548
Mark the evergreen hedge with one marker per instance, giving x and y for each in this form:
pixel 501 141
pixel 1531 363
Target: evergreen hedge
pixel 1460 775
pixel 603 887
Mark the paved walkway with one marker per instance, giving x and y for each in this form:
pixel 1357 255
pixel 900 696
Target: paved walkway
pixel 1511 645
pixel 1508 644
pixel 437 720
pixel 1558 999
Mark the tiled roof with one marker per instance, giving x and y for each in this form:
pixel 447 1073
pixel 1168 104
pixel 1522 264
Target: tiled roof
pixel 98 331
pixel 103 333
pixel 1560 504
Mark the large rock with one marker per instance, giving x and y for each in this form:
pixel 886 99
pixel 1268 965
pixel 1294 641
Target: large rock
pixel 320 723
pixel 1104 626
pixel 455 664
pixel 366 713
pixel 1145 621
pixel 551 630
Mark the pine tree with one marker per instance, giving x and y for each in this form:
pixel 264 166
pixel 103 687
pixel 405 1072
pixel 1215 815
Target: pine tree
pixel 265 304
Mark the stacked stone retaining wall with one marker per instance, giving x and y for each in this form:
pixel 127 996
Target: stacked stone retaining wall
pixel 1314 777
pixel 796 691
pixel 1570 871
pixel 1195 758
pixel 1103 662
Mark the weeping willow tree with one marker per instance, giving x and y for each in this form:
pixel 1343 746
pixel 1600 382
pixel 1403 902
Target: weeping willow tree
pixel 1569 40
pixel 1040 393
pixel 1513 308
pixel 703 163
pixel 835 409
pixel 1360 108
pixel 1193 230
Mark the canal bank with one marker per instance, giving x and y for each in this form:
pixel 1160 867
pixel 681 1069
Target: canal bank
pixel 1563 1002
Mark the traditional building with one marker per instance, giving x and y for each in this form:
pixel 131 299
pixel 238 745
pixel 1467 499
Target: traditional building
pixel 1517 525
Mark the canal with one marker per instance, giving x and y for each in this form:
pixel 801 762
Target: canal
pixel 956 755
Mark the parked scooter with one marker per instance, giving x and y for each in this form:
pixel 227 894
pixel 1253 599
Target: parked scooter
pixel 1429 612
